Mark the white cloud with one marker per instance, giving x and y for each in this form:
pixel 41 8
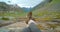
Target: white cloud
pixel 14 1
pixel 22 5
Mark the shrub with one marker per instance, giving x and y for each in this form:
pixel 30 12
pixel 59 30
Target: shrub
pixel 3 18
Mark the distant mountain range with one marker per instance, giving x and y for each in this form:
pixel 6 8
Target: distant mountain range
pixel 27 9
pixel 6 7
pixel 13 10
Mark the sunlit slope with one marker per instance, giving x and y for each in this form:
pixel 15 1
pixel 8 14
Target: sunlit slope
pixel 50 10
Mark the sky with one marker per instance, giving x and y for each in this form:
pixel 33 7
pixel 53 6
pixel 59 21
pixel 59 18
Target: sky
pixel 23 3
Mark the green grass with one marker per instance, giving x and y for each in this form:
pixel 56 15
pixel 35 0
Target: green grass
pixel 49 13
pixel 14 14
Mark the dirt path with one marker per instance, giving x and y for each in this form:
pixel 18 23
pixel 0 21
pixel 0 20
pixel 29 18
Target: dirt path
pixel 15 26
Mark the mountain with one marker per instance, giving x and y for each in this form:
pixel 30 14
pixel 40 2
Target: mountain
pixel 50 9
pixel 10 10
pixel 42 4
pixel 3 6
pixel 27 9
pixel 6 7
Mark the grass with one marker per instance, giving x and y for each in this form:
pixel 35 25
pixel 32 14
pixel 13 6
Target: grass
pixel 14 14
pixel 48 26
pixel 48 14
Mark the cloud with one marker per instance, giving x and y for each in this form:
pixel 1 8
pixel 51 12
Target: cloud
pixel 14 1
pixel 22 5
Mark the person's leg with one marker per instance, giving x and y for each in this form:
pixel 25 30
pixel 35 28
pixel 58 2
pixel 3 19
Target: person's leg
pixel 26 30
pixel 34 28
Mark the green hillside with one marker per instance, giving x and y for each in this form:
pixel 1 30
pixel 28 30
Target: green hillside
pixel 10 10
pixel 48 10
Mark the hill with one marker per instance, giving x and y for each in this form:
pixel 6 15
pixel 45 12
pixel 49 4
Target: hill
pixel 47 9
